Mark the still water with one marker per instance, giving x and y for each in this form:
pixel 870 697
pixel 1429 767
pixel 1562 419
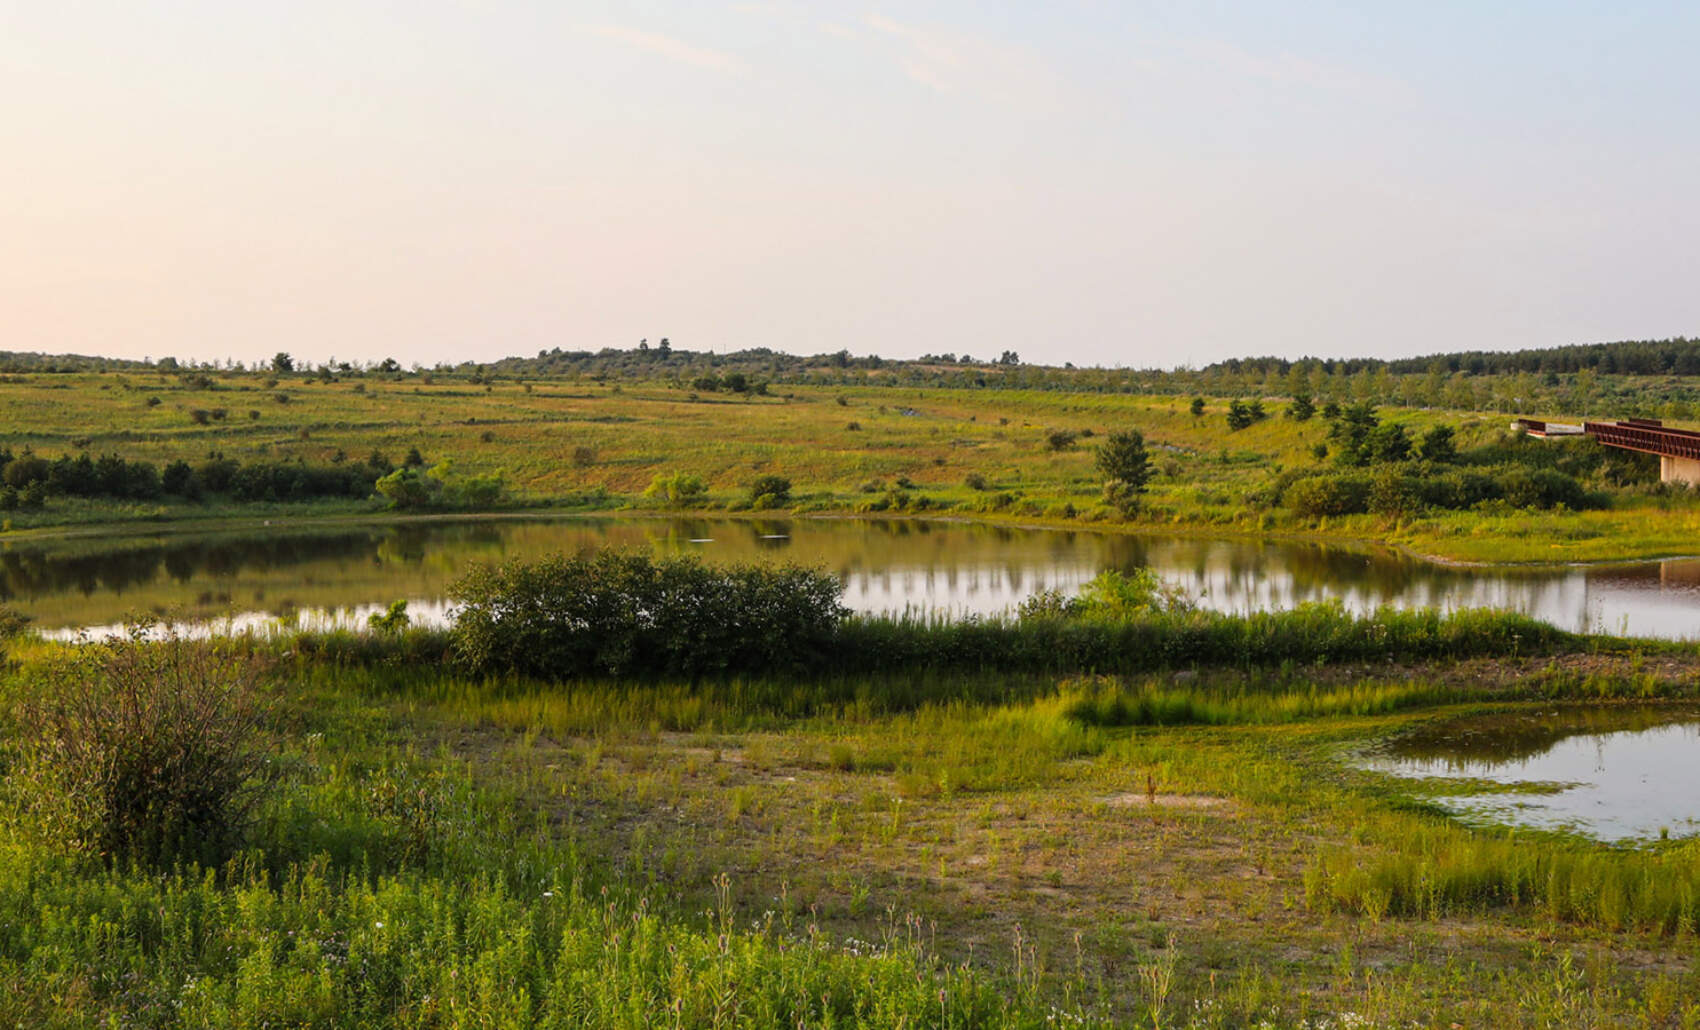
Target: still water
pixel 337 575
pixel 1615 774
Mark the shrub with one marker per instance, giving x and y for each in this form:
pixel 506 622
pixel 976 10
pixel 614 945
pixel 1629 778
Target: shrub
pixel 1395 492
pixel 147 752
pixel 180 479
pixel 1060 439
pixel 392 620
pixel 12 622
pixel 675 488
pixel 628 614
pixel 1542 488
pixel 410 487
pixel 486 491
pixel 1110 595
pixel 1328 495
pixel 1121 495
pixel 584 457
pixel 770 491
pixel 21 472
pixel 975 481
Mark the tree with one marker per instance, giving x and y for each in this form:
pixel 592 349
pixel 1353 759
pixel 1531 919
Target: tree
pixel 1388 442
pixel 1197 406
pixel 1122 457
pixel 1437 445
pixel 1301 409
pixel 282 362
pixel 1239 415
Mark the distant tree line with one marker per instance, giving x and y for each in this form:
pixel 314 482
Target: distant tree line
pixel 27 480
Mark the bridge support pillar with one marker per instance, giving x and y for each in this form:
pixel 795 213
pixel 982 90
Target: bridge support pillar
pixel 1679 470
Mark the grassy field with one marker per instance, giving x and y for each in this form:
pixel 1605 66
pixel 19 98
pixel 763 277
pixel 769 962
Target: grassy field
pixel 442 851
pixel 593 446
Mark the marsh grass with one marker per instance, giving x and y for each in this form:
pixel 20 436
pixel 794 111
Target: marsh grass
pixel 1431 868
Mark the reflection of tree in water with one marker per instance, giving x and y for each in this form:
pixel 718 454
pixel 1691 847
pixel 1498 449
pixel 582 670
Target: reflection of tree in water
pixel 1511 737
pixel 27 574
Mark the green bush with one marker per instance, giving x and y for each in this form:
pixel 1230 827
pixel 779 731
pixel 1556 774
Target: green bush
pixel 1109 595
pixel 629 614
pixel 1394 491
pixel 1320 496
pixel 675 488
pixel 410 487
pixel 770 492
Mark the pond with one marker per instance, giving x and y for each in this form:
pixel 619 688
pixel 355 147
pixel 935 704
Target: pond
pixel 1612 773
pixel 327 574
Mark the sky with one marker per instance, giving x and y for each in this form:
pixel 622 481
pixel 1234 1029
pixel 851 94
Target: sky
pixel 1110 183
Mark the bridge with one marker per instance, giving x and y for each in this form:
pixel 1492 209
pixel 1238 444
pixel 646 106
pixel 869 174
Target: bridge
pixel 1678 449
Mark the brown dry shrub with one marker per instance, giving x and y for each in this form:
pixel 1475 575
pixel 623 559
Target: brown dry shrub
pixel 152 751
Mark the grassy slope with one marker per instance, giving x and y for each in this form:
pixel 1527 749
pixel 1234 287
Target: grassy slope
pixel 630 434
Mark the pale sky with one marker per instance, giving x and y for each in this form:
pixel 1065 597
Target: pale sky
pixel 1144 184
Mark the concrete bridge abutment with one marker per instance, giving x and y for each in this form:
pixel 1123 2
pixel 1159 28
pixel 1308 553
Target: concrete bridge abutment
pixel 1679 470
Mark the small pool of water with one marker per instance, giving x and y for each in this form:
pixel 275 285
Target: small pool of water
pixel 1622 773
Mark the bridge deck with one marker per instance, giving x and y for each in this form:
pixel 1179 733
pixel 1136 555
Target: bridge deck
pixel 1646 436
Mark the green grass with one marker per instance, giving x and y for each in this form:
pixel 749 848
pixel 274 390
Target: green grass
pixel 585 445
pixel 965 849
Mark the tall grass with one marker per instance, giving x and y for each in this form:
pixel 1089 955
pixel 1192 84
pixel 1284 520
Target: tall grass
pixel 1432 869
pixel 1310 634
pixel 382 890
pixel 528 944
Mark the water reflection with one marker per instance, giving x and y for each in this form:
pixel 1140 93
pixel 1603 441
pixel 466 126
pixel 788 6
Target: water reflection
pixel 885 566
pixel 1610 773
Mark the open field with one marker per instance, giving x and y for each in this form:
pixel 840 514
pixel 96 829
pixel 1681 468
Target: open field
pixel 590 446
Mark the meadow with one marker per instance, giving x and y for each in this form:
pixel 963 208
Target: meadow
pixel 950 849
pixel 1016 455
pixel 1112 812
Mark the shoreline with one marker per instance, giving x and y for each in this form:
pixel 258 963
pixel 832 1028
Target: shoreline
pixel 291 522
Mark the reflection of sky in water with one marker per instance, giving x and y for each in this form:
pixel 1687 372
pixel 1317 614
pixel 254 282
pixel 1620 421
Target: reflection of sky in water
pixel 1621 785
pixel 953 569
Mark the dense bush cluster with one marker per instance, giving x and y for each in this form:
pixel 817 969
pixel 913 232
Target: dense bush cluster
pixel 1386 471
pixel 629 614
pixel 1407 489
